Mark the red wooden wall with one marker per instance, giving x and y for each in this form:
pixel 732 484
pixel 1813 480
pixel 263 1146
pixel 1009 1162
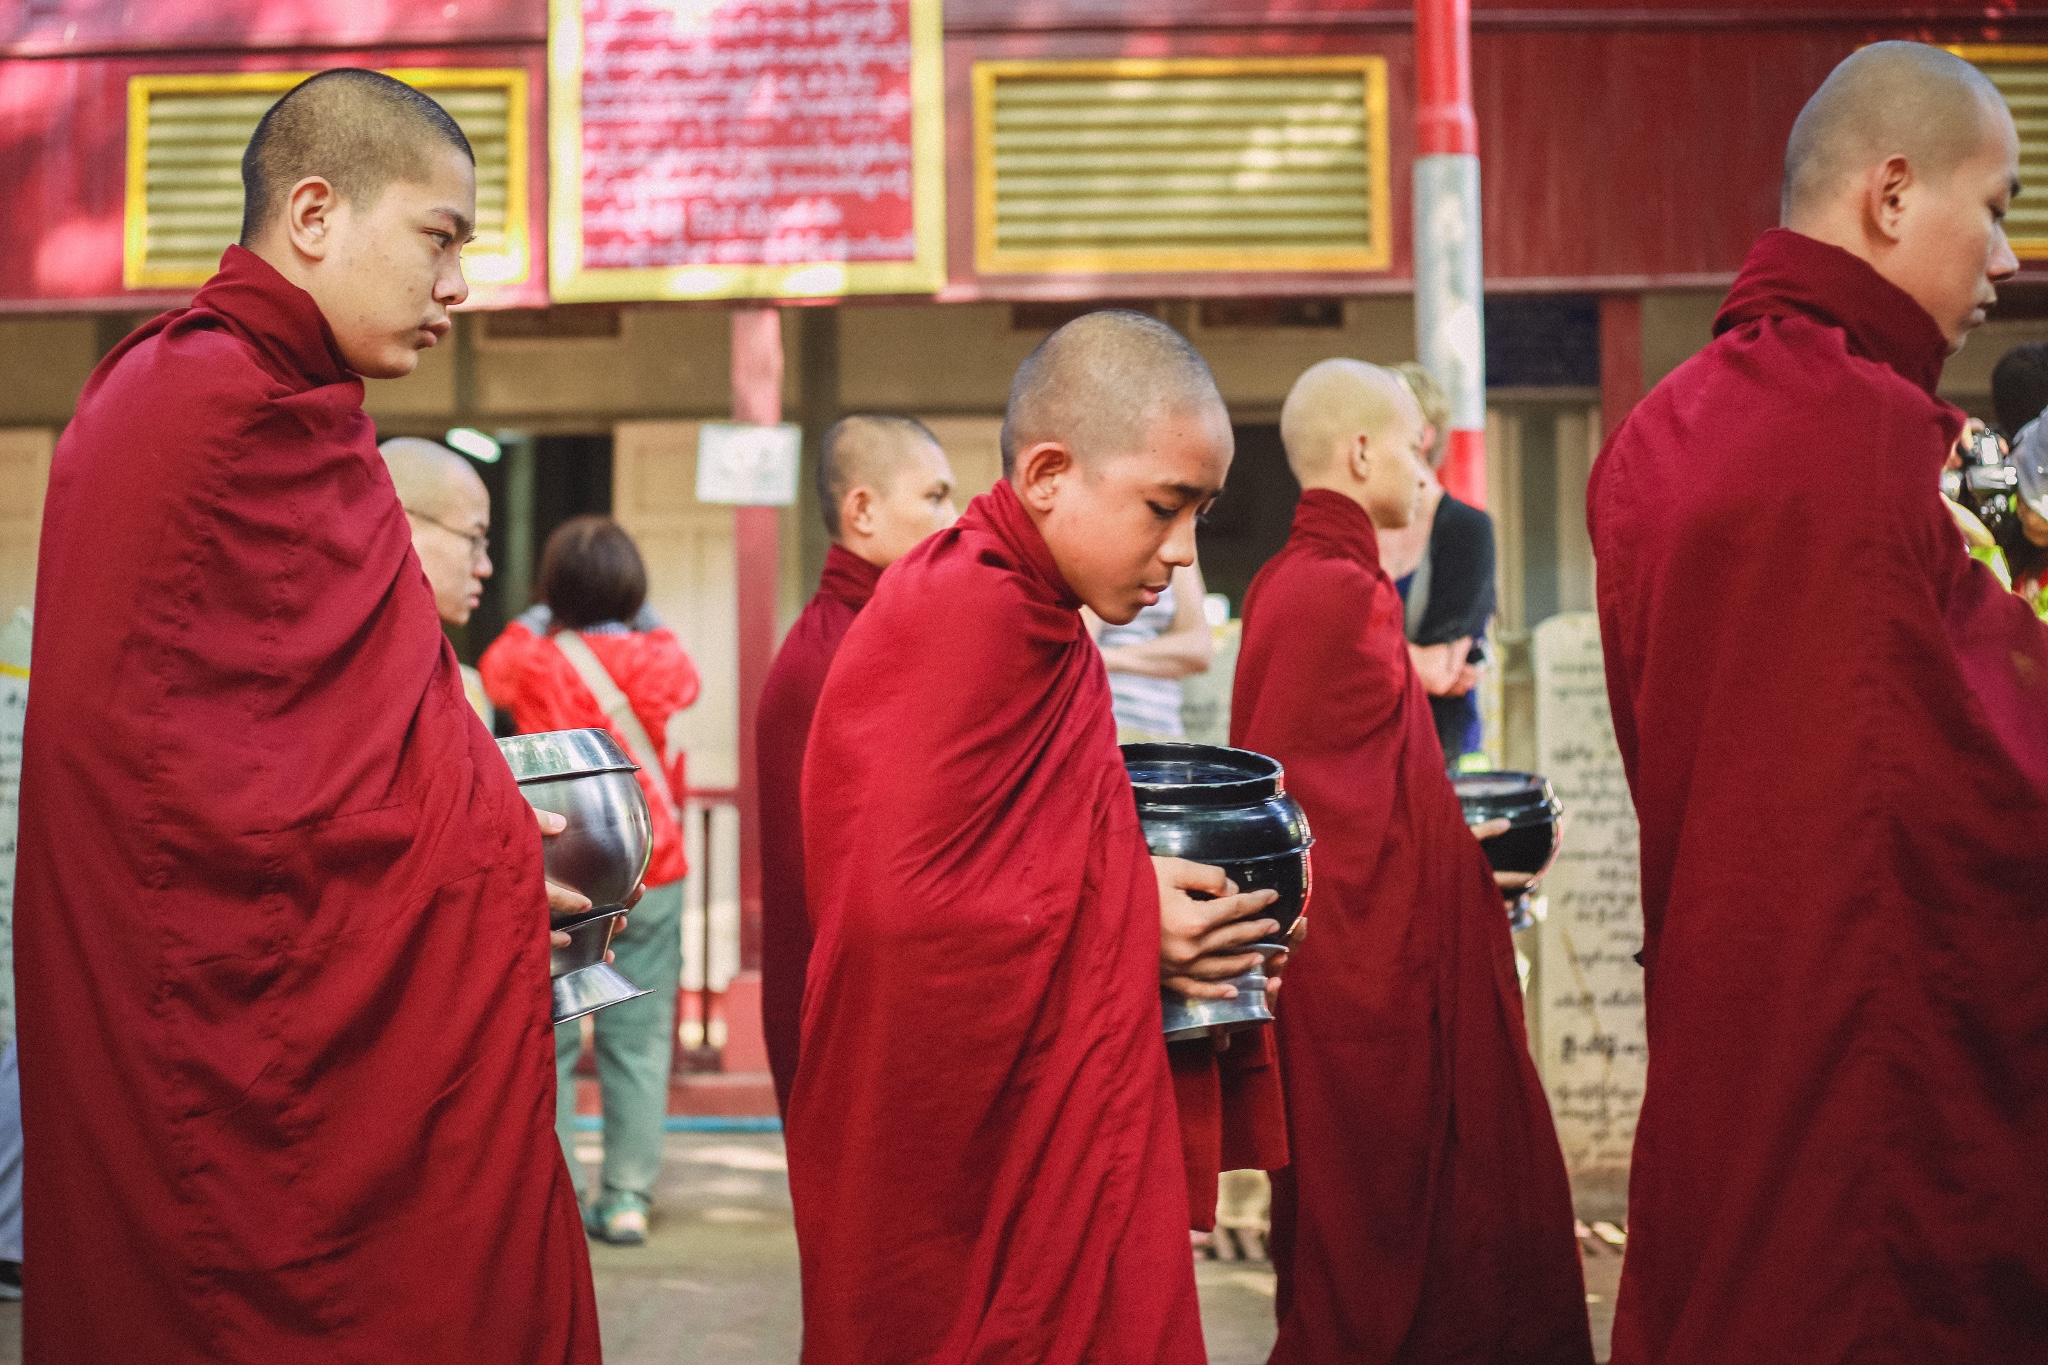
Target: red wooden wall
pixel 1625 145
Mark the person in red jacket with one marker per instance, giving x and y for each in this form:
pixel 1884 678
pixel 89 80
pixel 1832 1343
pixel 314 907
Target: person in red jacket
pixel 593 655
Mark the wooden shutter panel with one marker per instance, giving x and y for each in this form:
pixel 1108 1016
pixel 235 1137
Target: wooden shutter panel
pixel 186 135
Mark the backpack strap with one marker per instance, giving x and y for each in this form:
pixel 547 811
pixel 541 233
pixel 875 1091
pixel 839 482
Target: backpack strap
pixel 617 708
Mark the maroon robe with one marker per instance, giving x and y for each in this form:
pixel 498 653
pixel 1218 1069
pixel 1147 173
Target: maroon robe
pixel 788 700
pixel 1835 726
pixel 1231 1114
pixel 280 931
pixel 982 1148
pixel 1426 1216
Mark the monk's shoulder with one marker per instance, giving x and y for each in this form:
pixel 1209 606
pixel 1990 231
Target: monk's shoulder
pixel 189 363
pixel 956 589
pixel 1309 584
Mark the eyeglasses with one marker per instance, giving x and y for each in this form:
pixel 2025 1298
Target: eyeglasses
pixel 479 541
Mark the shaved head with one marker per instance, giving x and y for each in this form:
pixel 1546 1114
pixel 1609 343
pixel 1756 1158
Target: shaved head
pixel 1332 403
pixel 868 450
pixel 1888 99
pixel 1907 158
pixel 450 512
pixel 430 478
pixel 358 130
pixel 1097 383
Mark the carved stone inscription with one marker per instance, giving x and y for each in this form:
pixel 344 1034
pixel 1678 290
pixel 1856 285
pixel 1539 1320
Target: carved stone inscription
pixel 1592 1043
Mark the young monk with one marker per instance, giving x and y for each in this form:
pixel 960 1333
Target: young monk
pixel 982 1146
pixel 884 484
pixel 1425 1216
pixel 281 930
pixel 1835 725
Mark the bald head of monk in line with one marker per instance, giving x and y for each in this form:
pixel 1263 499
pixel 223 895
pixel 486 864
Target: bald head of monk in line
pixel 450 512
pixel 1356 429
pixel 884 484
pixel 362 191
pixel 1907 158
pixel 1116 440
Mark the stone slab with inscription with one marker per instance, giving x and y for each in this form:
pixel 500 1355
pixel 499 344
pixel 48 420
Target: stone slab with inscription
pixel 1592 1042
pixel 14 651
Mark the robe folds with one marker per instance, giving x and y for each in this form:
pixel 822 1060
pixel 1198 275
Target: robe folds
pixel 983 1154
pixel 783 726
pixel 1425 1216
pixel 287 1071
pixel 1232 1117
pixel 1835 728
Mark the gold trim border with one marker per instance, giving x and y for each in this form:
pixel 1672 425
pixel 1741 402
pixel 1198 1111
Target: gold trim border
pixel 517 256
pixel 570 282
pixel 1999 54
pixel 989 259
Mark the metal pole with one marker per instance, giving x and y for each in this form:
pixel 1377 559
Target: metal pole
pixel 1450 320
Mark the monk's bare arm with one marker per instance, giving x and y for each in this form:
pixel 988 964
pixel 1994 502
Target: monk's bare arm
pixel 1201 941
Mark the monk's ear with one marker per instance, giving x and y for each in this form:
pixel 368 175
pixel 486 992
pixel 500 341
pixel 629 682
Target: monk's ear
pixel 1886 190
pixel 857 513
pixel 1039 471
pixel 309 217
pixel 1358 457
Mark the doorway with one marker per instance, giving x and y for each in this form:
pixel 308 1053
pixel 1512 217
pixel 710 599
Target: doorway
pixel 538 483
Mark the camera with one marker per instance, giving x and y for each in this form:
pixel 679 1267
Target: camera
pixel 1988 484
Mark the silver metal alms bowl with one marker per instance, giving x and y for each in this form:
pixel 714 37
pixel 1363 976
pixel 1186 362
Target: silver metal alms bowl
pixel 584 777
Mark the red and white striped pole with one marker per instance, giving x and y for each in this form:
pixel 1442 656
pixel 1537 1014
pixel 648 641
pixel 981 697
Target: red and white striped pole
pixel 1450 317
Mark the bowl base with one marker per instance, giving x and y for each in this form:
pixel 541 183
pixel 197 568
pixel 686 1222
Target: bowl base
pixel 1184 1018
pixel 590 989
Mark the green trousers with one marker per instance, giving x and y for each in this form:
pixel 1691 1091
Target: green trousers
pixel 635 1044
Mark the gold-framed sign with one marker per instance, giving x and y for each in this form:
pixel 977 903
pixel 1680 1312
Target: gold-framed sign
pixel 1182 164
pixel 726 149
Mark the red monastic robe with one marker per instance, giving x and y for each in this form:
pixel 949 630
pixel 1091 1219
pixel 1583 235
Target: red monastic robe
pixel 1835 725
pixel 788 700
pixel 280 931
pixel 1426 1216
pixel 1231 1114
pixel 982 1147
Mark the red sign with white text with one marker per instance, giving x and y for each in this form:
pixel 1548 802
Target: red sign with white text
pixel 748 132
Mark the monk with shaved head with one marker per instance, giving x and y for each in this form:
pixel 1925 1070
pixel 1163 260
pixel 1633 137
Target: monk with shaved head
pixel 1835 726
pixel 883 485
pixel 281 929
pixel 1425 1216
pixel 449 510
pixel 983 1152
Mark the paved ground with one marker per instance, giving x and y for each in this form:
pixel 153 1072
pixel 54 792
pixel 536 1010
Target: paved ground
pixel 716 1283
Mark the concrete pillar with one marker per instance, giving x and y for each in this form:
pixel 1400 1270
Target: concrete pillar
pixel 1450 320
pixel 756 398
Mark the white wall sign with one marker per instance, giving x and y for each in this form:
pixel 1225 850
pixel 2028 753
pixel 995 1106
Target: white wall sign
pixel 748 466
pixel 1594 1049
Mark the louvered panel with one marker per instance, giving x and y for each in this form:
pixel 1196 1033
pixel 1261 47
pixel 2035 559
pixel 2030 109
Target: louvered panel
pixel 2025 87
pixel 1257 164
pixel 2021 75
pixel 185 142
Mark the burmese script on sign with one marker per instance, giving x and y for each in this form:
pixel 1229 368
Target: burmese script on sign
pixel 1594 1052
pixel 750 132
